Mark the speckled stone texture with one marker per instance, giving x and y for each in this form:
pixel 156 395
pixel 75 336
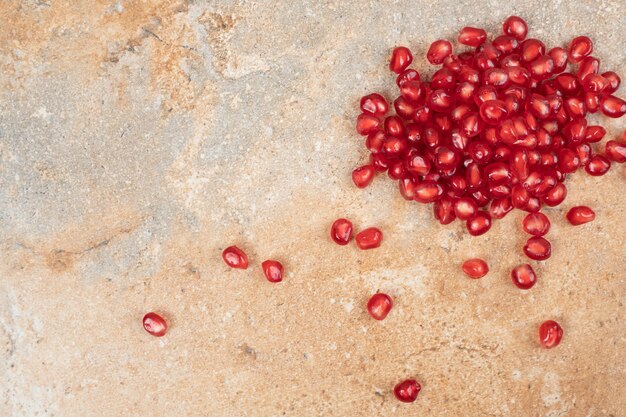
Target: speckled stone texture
pixel 138 139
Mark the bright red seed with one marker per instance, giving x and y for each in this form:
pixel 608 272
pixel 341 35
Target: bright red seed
pixel 579 48
pixel 479 224
pixel 516 27
pixel 363 176
pixel 538 248
pixel 428 191
pixel 400 59
pixel 155 324
pixel 235 257
pixel 555 196
pixel 550 334
pixel 406 391
pixel 612 106
pixel 614 82
pixel 598 165
pixel 379 305
pixel 444 211
pixel 472 36
pixel 615 151
pixel 536 224
pixel 523 276
pixel 465 208
pixel 369 238
pixel 366 124
pixel 475 268
pixel 273 270
pixel 580 215
pixel 374 104
pixel 341 231
pixel 438 51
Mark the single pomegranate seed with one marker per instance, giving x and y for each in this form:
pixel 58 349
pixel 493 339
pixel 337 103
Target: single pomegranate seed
pixel 465 208
pixel 407 188
pixel 614 82
pixel 498 173
pixel 273 270
pixel 612 106
pixel 538 248
pixel 366 124
pixel 444 210
pixel 417 164
pixel 374 104
pixel 587 66
pixel 580 215
pixel 532 49
pixel 579 48
pixel 559 57
pixel 500 207
pixel 407 75
pixel 594 83
pixel 493 111
pixel 155 324
pixel 341 231
pixel 568 160
pixel 475 268
pixel 524 276
pixel 536 224
pixel 616 151
pixel 235 257
pixel 438 51
pixel 550 334
pixel 363 176
pixel 541 67
pixel 479 224
pixel 441 101
pixel 598 165
pixel 379 305
pixel 427 191
pixel 472 36
pixel 594 133
pixel 369 238
pixel 555 196
pixel 374 141
pixel 406 391
pixel 516 27
pixel 400 59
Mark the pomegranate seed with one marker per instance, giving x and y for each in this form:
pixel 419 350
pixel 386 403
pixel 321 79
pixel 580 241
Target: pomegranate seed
pixel 613 80
pixel 379 305
pixel 412 91
pixel 369 238
pixel 536 224
pixel 559 57
pixel 427 191
pixel 441 101
pixel 550 334
pixel 235 257
pixel 444 210
pixel 531 49
pixel 374 141
pixel 538 248
pixel 341 231
pixel 616 151
pixel 407 75
pixel 524 276
pixel 479 224
pixel 400 59
pixel 438 51
pixel 594 133
pixel 475 268
pixel 598 165
pixel 363 176
pixel 594 83
pixel 406 391
pixel 587 66
pixel 374 104
pixel 366 124
pixel 541 67
pixel 555 196
pixel 568 160
pixel 273 271
pixel 580 215
pixel 155 324
pixel 579 48
pixel 472 36
pixel 612 106
pixel 516 27
pixel 493 111
pixel 407 188
pixel 465 208
pixel 500 207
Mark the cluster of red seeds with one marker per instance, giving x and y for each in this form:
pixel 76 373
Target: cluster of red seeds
pixel 497 127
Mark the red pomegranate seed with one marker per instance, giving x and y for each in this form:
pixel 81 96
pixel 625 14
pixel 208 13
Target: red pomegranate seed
pixel 155 324
pixel 407 188
pixel 472 36
pixel 374 104
pixel 363 176
pixel 516 27
pixel 598 165
pixel 594 133
pixel 427 191
pixel 559 57
pixel 531 49
pixel 594 83
pixel 369 238
pixel 579 48
pixel 475 268
pixel 235 257
pixel 612 106
pixel 493 111
pixel 366 124
pixel 438 51
pixel 568 160
pixel 536 224
pixel 444 210
pixel 580 215
pixel 555 196
pixel 407 75
pixel 273 270
pixel 341 231
pixel 538 248
pixel 406 391
pixel 379 305
pixel 550 334
pixel 465 208
pixel 616 151
pixel 587 66
pixel 614 82
pixel 500 207
pixel 479 224
pixel 400 59
pixel 524 276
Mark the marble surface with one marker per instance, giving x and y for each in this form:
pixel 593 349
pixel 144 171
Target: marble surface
pixel 138 139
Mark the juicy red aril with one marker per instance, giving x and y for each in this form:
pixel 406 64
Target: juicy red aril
pixel 475 268
pixel 555 196
pixel 579 48
pixel 479 224
pixel 379 305
pixel 465 208
pixel 550 334
pixel 598 165
pixel 559 57
pixel 472 36
pixel 612 106
pixel 363 176
pixel 537 248
pixel 438 51
pixel 341 231
pixel 400 59
pixel 500 207
pixel 369 238
pixel 374 104
pixel 523 276
pixel 366 124
pixel 273 270
pixel 516 27
pixel 613 80
pixel 493 111
pixel 536 224
pixel 407 75
pixel 406 391
pixel 155 324
pixel 235 257
pixel 615 151
pixel 444 211
pixel 427 191
pixel 580 215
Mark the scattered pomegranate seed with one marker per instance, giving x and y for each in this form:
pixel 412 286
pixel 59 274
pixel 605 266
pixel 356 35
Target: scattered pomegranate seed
pixel 538 248
pixel 524 276
pixel 273 270
pixel 550 334
pixel 472 36
pixel 369 238
pixel 516 27
pixel 475 268
pixel 612 106
pixel 363 176
pixel 580 215
pixel 616 151
pixel 598 165
pixel 155 324
pixel 536 224
pixel 235 257
pixel 341 231
pixel 479 224
pixel 406 391
pixel 438 51
pixel 374 104
pixel 400 59
pixel 579 48
pixel 379 305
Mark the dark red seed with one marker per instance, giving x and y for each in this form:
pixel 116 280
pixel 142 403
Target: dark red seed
pixel 438 51
pixel 536 224
pixel 559 57
pixel 472 36
pixel 428 191
pixel 614 82
pixel 363 176
pixel 550 334
pixel 406 391
pixel 479 224
pixel 538 248
pixel 369 238
pixel 612 106
pixel 523 276
pixel 379 305
pixel 475 268
pixel 580 215
pixel 235 257
pixel 579 48
pixel 400 59
pixel 615 151
pixel 366 124
pixel 500 207
pixel 154 324
pixel 407 75
pixel 555 196
pixel 341 231
pixel 273 270
pixel 598 165
pixel 465 208
pixel 374 104
pixel 516 27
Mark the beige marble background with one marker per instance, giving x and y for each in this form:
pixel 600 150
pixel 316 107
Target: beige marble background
pixel 139 138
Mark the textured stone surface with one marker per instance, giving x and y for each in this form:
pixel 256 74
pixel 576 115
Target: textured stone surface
pixel 138 139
